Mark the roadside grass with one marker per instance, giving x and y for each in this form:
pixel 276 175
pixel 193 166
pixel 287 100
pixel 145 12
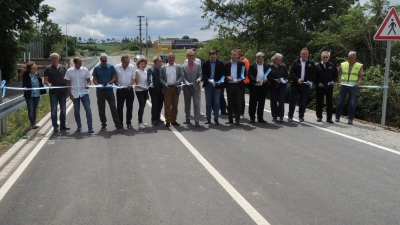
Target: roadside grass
pixel 17 132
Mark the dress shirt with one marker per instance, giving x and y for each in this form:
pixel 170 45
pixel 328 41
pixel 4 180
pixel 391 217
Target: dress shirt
pixel 234 74
pixel 212 65
pixel 260 73
pixel 196 60
pixel 303 69
pixel 78 78
pixel 125 76
pixel 171 73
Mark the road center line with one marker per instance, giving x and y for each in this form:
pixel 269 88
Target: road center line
pixel 249 209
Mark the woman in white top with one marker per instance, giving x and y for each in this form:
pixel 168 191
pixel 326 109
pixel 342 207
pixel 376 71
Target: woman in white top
pixel 141 89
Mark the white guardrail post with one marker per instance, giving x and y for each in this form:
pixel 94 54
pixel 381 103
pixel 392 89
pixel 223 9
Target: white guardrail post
pixel 3 120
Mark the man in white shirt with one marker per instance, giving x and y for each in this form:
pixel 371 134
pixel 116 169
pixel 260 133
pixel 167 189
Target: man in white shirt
pixel 79 78
pixel 171 78
pixel 125 79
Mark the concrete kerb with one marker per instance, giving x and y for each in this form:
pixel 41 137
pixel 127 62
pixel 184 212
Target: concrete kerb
pixel 13 151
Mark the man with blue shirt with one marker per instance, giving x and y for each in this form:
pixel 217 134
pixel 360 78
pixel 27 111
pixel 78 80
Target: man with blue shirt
pixel 105 74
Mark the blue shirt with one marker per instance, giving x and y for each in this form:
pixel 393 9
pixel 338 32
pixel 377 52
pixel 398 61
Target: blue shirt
pixel 35 84
pixel 234 71
pixel 104 75
pixel 212 64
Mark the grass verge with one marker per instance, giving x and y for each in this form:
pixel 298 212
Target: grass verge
pixel 15 131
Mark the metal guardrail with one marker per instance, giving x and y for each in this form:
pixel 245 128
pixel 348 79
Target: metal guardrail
pixel 89 63
pixel 9 107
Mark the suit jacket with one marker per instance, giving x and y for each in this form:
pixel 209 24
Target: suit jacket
pixel 227 70
pixel 295 71
pixel 326 74
pixel 191 77
pixel 253 71
pixel 218 74
pixel 179 77
pixel 155 72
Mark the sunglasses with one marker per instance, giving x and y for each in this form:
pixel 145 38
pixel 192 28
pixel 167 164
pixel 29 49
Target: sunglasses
pixel 325 57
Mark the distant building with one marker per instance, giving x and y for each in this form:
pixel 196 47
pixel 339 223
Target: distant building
pixel 185 44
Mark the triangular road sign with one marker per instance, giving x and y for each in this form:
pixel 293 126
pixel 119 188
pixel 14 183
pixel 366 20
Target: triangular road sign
pixel 390 28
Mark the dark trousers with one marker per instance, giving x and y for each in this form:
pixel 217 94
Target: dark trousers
pixel 243 105
pixel 101 104
pixel 235 98
pixel 222 102
pixel 32 104
pixel 320 93
pixel 257 102
pixel 125 95
pixel 56 99
pixel 277 101
pixel 142 98
pixel 296 92
pixel 157 102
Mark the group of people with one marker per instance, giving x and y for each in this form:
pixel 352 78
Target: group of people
pixel 164 83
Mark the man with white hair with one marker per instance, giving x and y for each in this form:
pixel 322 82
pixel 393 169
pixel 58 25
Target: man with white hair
pixel 326 76
pixel 53 77
pixel 105 74
pixel 258 87
pixel 351 74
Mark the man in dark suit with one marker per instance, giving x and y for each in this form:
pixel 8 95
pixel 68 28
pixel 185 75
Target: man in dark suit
pixel 258 88
pixel 234 72
pixel 171 77
pixel 213 71
pixel 156 90
pixel 325 78
pixel 302 72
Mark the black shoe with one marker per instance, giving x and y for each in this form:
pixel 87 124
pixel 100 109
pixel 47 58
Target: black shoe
pixel 56 130
pixel 329 121
pixel 175 123
pixel 281 120
pixel 103 127
pixel 224 113
pixel 35 127
pixel 274 120
pixel 64 128
pixel 337 120
pixel 252 121
pixel 119 128
pixel 229 122
pixel 167 124
pixel 301 120
pixel 262 121
pixel 196 123
pixel 290 119
pixel 319 120
pixel 207 122
pixel 216 122
pixel 350 122
pixel 186 122
pixel 154 123
pixel 160 122
pixel 237 123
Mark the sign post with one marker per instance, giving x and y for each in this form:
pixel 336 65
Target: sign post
pixel 388 31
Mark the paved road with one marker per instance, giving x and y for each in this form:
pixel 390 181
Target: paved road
pixel 288 173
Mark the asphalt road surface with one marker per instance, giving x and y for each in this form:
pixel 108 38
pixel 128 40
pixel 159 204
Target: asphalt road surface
pixel 289 173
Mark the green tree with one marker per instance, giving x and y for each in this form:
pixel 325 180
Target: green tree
pixel 51 34
pixel 16 18
pixel 185 37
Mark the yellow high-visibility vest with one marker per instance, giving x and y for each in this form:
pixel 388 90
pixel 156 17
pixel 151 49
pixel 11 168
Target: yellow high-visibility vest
pixel 353 77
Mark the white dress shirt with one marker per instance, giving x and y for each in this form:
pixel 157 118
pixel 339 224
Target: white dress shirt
pixel 303 69
pixel 125 76
pixel 78 78
pixel 260 73
pixel 171 73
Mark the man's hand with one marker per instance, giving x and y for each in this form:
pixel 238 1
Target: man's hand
pixel 258 81
pixel 320 85
pixel 230 78
pixel 299 81
pixel 339 85
pixel 358 84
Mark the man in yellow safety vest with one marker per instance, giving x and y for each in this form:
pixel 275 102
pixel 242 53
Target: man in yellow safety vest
pixel 351 74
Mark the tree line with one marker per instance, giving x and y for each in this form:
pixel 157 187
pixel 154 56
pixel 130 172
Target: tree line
pixel 337 26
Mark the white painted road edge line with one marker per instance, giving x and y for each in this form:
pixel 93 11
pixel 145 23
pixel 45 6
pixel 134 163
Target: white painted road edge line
pixel 346 136
pixel 10 182
pixel 249 209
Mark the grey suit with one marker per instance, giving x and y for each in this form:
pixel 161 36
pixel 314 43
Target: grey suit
pixel 192 91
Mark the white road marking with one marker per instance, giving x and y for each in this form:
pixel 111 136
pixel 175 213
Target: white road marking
pixel 10 182
pixel 249 209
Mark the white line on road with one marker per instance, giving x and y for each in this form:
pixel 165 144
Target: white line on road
pixel 249 209
pixel 10 182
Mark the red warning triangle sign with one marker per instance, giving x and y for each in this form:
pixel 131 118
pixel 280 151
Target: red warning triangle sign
pixel 390 28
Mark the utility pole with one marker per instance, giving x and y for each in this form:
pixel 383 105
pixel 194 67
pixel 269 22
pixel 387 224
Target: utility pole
pixel 66 42
pixel 147 49
pixel 140 34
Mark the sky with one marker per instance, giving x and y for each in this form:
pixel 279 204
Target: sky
pixel 100 19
